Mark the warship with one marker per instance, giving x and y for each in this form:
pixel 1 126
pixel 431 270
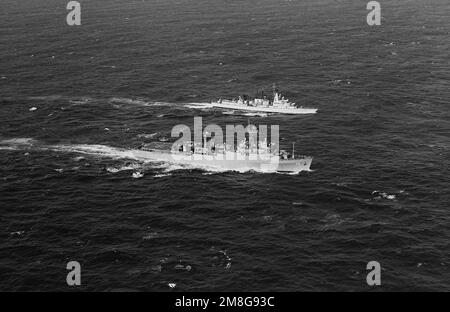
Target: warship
pixel 275 104
pixel 246 156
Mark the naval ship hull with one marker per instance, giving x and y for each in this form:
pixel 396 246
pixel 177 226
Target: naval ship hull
pixel 232 105
pixel 241 165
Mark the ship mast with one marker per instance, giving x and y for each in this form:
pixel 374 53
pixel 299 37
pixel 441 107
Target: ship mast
pixel 293 150
pixel 275 92
pixel 205 135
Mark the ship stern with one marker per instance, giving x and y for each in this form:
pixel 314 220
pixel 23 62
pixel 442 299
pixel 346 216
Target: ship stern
pixel 295 165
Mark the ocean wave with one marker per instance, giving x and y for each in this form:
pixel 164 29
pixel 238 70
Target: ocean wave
pixel 162 175
pixel 133 166
pixel 383 195
pixel 8 148
pixel 147 136
pixel 137 175
pixel 81 101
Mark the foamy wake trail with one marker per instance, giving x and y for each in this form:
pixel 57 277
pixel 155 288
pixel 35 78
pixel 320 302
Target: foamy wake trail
pixel 128 101
pixel 18 141
pixel 45 98
pixel 87 149
pixel 206 106
pixel 16 144
pixel 143 102
pixel 95 150
pixel 138 102
pixel 198 105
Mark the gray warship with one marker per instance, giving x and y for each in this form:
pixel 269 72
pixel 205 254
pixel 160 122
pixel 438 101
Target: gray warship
pixel 276 104
pixel 260 157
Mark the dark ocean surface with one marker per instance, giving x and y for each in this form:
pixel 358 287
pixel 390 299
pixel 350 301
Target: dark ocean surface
pixel 379 186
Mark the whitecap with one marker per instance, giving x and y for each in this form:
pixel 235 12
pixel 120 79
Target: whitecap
pixel 162 175
pixel 132 166
pixel 182 267
pixel 384 195
pixel 147 136
pixel 18 233
pixel 137 175
pixel 150 236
